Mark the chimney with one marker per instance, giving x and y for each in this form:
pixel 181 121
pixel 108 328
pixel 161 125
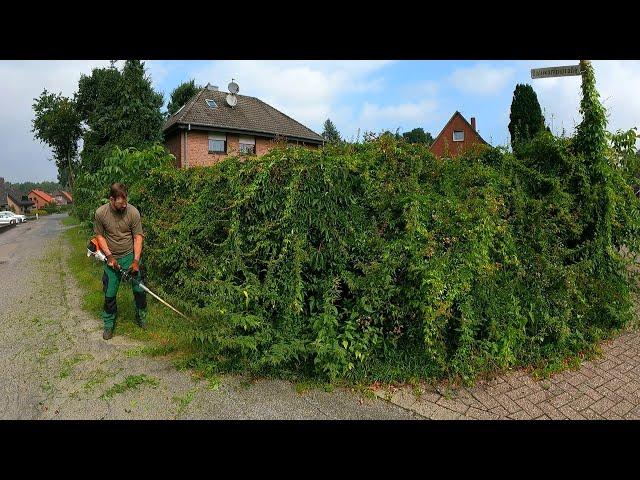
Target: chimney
pixel 473 123
pixel 213 88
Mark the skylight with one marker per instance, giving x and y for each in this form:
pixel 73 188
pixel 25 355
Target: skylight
pixel 211 103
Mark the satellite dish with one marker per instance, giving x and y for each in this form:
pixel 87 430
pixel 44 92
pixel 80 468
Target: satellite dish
pixel 234 88
pixel 232 100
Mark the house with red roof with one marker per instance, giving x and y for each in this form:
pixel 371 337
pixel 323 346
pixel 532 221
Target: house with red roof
pixel 40 198
pixel 457 137
pixel 62 198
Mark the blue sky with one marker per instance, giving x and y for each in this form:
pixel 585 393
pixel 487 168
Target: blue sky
pixel 366 95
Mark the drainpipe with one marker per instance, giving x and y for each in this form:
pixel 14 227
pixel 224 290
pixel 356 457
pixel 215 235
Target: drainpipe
pixel 186 148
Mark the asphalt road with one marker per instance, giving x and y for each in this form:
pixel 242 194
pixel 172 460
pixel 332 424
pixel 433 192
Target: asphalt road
pixel 55 364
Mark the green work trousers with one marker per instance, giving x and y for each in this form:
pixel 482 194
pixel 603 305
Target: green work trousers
pixel 110 284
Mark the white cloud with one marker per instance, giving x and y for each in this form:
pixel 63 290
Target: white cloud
pixel 402 116
pixel 309 91
pixel 482 79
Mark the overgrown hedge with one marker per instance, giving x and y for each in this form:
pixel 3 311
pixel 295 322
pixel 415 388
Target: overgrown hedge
pixel 381 260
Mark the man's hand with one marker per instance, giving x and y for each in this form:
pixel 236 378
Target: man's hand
pixel 134 269
pixel 112 262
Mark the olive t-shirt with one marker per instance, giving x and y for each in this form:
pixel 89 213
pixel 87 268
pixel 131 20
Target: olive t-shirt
pixel 118 228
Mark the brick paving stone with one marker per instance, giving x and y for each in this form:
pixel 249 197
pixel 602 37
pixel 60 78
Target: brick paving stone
pixel 485 399
pixel 577 379
pixel 622 408
pixel 508 404
pixel 570 413
pixel 529 408
pixel 543 417
pixel 463 395
pixel 581 403
pixel 591 415
pixel 481 414
pixel 561 399
pixel 590 392
pixel 500 389
pixel 445 414
pixel 519 392
pixel 538 397
pixel 453 404
pixel 602 406
pixel 552 412
pixel 430 396
pixel 606 393
pixel 426 409
pixel 520 415
pixel 615 384
pixel 500 411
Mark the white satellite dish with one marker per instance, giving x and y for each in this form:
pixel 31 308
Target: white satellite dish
pixel 232 100
pixel 233 87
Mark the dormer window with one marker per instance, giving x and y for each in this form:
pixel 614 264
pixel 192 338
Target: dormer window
pixel 211 103
pixel 458 135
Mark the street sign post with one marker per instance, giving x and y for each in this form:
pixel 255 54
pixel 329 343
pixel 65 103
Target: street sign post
pixel 563 71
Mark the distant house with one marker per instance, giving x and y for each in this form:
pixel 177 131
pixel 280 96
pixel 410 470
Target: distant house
pixel 13 200
pixel 40 198
pixel 207 128
pixel 457 137
pixel 62 198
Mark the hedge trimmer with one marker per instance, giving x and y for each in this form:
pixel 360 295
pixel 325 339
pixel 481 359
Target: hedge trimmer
pixel 93 250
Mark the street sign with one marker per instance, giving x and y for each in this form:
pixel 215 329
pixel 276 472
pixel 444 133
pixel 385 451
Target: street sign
pixel 565 71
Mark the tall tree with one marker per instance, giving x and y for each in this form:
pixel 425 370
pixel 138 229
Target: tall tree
pixel 526 118
pixel 57 123
pixel 418 135
pixel 181 95
pixel 330 132
pixel 120 109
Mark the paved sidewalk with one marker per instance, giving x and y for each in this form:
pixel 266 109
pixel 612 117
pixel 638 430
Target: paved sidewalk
pixel 605 388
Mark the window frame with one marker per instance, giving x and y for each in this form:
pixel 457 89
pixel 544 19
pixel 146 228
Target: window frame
pixel 454 135
pixel 245 142
pixel 217 137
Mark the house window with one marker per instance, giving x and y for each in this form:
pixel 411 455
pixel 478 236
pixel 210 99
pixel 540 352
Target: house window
pixel 458 135
pixel 212 103
pixel 247 145
pixel 217 143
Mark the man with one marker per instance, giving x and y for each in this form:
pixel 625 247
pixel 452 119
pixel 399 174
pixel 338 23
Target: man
pixel 118 230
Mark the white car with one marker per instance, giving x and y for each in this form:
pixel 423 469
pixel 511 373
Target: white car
pixel 17 218
pixel 6 220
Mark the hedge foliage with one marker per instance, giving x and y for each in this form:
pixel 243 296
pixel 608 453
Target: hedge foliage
pixel 339 261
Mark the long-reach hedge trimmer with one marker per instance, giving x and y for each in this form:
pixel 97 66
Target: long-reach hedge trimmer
pixel 93 250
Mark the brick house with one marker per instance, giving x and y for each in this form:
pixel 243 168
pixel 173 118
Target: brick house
pixel 13 200
pixel 207 129
pixel 62 198
pixel 40 198
pixel 457 137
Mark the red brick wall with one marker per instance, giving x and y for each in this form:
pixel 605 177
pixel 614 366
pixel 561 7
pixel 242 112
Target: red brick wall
pixel 445 146
pixel 198 148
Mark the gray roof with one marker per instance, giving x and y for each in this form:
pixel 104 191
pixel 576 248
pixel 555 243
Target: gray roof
pixel 15 196
pixel 250 115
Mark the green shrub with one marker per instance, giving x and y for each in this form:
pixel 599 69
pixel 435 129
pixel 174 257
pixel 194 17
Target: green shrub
pixel 346 260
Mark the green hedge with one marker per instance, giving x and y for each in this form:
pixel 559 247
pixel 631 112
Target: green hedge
pixel 379 260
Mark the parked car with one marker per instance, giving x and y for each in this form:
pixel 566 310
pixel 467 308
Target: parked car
pixel 6 220
pixel 17 218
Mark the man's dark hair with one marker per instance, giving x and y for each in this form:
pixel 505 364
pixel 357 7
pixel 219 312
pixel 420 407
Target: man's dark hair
pixel 118 190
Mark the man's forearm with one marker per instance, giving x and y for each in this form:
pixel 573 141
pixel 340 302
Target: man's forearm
pixel 102 243
pixel 137 247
